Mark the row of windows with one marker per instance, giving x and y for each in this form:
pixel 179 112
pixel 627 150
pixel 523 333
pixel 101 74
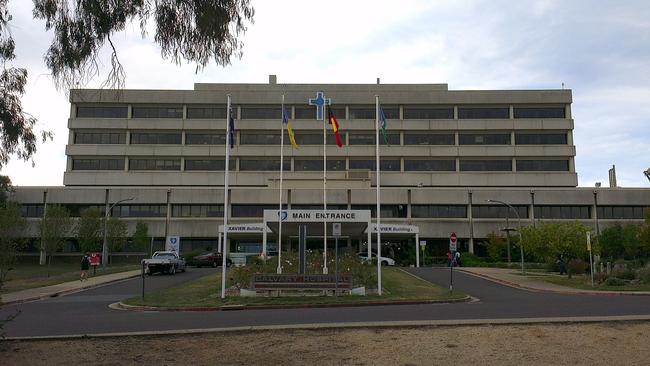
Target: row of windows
pixel 263 164
pixel 306 138
pixel 308 112
pixel 387 211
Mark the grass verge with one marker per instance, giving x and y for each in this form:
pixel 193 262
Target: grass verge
pixel 583 282
pixel 205 292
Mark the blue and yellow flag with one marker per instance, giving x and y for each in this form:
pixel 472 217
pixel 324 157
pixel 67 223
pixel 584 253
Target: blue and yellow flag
pixel 285 120
pixel 383 124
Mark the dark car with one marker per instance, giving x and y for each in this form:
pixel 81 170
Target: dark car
pixel 213 259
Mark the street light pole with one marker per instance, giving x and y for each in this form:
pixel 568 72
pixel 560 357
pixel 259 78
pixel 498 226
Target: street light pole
pixel 521 247
pixel 105 244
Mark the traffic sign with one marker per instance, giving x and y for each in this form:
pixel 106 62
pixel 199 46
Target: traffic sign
pixel 589 241
pixel 336 229
pixel 423 243
pixel 453 242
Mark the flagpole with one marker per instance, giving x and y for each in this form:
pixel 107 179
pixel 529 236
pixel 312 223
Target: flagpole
pixel 377 169
pixel 279 269
pixel 225 248
pixel 325 186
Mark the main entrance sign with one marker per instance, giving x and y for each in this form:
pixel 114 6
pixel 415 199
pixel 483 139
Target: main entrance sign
pixel 318 216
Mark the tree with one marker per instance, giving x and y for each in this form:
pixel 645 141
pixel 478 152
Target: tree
pixel 116 234
pixel 197 31
pixel 550 240
pixel 141 236
pixel 496 246
pixel 12 227
pixel 55 227
pixel 89 230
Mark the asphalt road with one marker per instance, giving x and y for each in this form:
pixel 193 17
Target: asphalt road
pixel 87 312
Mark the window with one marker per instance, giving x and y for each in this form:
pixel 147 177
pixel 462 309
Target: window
pixel 260 138
pixel 424 165
pixel 77 210
pixel 439 211
pixel 251 210
pixel 385 164
pixel 369 138
pixel 154 164
pixel 197 210
pixel 102 112
pixel 498 212
pixel 261 112
pixel 98 164
pixel 542 165
pixel 318 207
pixel 263 164
pixel 483 112
pixel 206 112
pixel 31 210
pixel 100 137
pixel 485 165
pixel 309 112
pixel 170 138
pixel 423 138
pixel 539 112
pixel 317 138
pixel 158 112
pixel 139 211
pixel 387 211
pixel 209 164
pixel 205 138
pixel 562 212
pixel 484 139
pixel 369 112
pixel 424 112
pixel 540 138
pixel 622 212
pixel 317 165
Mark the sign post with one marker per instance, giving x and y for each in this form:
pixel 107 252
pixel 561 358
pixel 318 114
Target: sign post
pixel 453 245
pixel 336 232
pixel 591 258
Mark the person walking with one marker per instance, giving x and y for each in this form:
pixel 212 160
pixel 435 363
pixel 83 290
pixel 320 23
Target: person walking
pixel 85 265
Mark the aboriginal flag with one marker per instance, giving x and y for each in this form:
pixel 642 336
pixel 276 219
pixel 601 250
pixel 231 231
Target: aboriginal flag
pixel 335 127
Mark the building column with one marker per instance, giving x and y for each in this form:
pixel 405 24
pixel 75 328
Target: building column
pixel 169 214
pixel 42 260
pixel 532 207
pixel 471 222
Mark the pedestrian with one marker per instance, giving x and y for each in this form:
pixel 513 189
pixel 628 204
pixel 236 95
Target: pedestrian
pixel 85 265
pixel 561 264
pixel 458 259
pixel 450 259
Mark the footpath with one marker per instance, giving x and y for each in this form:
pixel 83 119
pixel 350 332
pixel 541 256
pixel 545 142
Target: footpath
pixel 514 278
pixel 64 288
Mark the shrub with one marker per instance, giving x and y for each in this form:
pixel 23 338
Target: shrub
pixel 613 281
pixel 600 277
pixel 577 266
pixel 189 256
pixel 625 274
pixel 644 274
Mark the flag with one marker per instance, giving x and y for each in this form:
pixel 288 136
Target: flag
pixel 231 135
pixel 285 120
pixel 383 124
pixel 335 127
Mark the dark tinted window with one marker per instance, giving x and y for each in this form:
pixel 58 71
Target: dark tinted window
pixel 484 139
pixel 485 165
pixel 391 165
pixel 438 211
pixel 562 212
pixel 429 165
pixel 102 112
pixel 369 112
pixel 155 164
pixel 309 112
pixel 158 112
pixel 307 138
pixel 487 112
pixel 369 138
pixel 261 112
pixel 197 210
pixel 498 212
pixel 421 112
pixel 542 165
pixel 31 210
pixel 387 211
pixel 318 207
pixel 251 210
pixel 205 139
pixel 415 138
pixel 540 139
pixel 538 112
pixel 206 112
pixel 98 164
pixel 100 137
pixel 317 164
pixel 139 211
pixel 208 164
pixel 622 212
pixel 171 138
pixel 260 138
pixel 263 164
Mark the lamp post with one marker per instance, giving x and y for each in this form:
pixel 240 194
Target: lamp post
pixel 105 244
pixel 521 247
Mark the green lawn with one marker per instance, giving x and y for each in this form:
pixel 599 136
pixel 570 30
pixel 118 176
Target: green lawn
pixel 205 292
pixel 30 275
pixel 584 282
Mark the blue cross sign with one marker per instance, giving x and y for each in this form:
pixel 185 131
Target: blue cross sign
pixel 320 102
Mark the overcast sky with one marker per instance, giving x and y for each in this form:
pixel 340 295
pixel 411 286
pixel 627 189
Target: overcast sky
pixel 599 49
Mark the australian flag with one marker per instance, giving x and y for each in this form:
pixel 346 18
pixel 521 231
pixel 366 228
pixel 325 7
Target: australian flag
pixel 231 127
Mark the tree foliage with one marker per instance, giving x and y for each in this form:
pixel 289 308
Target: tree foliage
pixel 549 240
pixel 12 229
pixel 141 236
pixel 90 230
pixel 116 234
pixel 56 226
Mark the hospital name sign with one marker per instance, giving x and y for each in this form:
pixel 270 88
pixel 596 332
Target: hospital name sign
pixel 317 215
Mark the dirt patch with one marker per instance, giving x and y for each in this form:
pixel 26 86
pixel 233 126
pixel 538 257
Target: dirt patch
pixel 572 344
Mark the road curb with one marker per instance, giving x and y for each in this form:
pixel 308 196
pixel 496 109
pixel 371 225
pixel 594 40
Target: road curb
pixel 539 290
pixel 374 325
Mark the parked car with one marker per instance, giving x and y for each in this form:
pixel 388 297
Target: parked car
pixel 213 259
pixel 164 262
pixel 385 261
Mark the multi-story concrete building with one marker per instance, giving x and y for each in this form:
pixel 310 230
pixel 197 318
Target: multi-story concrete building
pixel 448 153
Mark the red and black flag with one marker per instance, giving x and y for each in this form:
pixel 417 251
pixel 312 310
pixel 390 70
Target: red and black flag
pixel 335 127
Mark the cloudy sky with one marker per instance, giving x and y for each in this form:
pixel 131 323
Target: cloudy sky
pixel 599 49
